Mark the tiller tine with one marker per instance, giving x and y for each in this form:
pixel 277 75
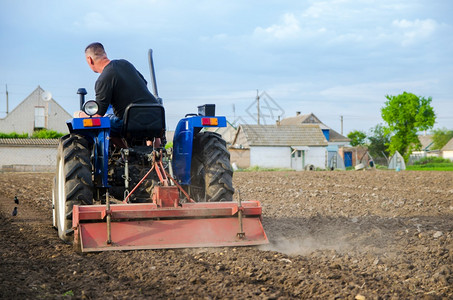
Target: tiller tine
pixel 147 226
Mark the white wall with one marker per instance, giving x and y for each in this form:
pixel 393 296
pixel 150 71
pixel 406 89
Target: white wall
pixel 30 156
pixel 316 156
pixel 270 157
pixel 280 157
pixel 447 154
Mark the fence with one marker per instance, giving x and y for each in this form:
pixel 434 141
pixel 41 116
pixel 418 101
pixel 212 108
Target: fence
pixel 28 155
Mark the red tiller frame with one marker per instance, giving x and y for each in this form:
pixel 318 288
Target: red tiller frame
pixel 147 226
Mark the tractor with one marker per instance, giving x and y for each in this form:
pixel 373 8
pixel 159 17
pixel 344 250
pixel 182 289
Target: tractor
pixel 146 195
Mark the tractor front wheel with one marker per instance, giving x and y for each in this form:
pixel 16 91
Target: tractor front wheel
pixel 211 172
pixel 73 181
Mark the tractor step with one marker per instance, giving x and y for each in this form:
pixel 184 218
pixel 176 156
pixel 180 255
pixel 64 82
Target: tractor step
pixel 147 226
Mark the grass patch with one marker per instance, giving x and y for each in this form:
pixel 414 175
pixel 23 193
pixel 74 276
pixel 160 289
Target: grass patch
pixel 431 167
pixel 431 164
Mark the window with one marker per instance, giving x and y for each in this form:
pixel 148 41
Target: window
pixel 40 117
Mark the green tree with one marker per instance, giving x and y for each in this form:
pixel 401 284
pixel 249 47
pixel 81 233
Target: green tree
pixel 357 137
pixel 405 115
pixel 441 137
pixel 379 141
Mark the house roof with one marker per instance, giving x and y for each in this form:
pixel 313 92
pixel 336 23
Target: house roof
pixel 36 93
pixel 283 135
pixel 312 119
pixel 28 142
pixel 448 146
pixel 426 141
pixel 303 119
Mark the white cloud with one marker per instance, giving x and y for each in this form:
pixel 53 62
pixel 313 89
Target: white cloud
pixel 412 31
pixel 289 28
pixel 320 9
pixel 370 91
pixel 94 21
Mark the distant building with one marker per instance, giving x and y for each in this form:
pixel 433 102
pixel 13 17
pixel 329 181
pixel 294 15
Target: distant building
pixel 334 139
pixel 425 150
pixel 447 150
pixel 35 113
pixel 279 146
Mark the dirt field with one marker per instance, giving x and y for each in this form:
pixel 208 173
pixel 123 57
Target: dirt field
pixel 334 235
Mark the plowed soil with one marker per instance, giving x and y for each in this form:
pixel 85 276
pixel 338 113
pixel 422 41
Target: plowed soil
pixel 333 235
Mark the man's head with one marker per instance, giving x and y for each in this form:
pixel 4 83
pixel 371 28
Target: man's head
pixel 96 57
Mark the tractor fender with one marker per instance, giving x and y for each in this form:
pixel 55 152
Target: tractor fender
pixel 97 132
pixel 185 131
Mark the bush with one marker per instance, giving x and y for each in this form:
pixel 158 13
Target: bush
pixel 432 160
pixel 169 145
pixel 13 135
pixel 39 134
pixel 46 134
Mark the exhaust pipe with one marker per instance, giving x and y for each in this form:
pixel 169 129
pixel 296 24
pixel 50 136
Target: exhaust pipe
pixel 153 76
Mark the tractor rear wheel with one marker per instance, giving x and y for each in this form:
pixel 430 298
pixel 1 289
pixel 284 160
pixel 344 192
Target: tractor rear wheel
pixel 73 181
pixel 211 172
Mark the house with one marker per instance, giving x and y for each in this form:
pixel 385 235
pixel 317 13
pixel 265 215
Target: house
pixel 425 150
pixel 279 146
pixel 334 139
pixel 36 112
pixel 447 150
pixel 355 155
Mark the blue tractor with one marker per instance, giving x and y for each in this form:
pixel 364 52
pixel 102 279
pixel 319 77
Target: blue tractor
pixel 146 195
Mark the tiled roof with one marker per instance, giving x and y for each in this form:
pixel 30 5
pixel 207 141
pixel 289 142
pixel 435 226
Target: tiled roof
pixel 284 135
pixel 29 142
pixel 336 137
pixel 448 146
pixel 312 119
pixel 303 119
pixel 426 141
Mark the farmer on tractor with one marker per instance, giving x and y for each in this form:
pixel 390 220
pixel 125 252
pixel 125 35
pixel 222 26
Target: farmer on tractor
pixel 159 197
pixel 119 84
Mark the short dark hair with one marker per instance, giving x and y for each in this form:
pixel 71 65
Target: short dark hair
pixel 97 49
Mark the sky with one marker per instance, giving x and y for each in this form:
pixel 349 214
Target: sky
pixel 333 58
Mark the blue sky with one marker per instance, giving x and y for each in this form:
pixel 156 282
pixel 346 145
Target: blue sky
pixel 332 58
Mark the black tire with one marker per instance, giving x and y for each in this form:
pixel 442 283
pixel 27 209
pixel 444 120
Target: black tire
pixel 73 181
pixel 211 172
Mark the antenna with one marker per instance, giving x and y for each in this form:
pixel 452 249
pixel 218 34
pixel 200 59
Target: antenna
pixel 258 106
pixel 46 96
pixel 7 105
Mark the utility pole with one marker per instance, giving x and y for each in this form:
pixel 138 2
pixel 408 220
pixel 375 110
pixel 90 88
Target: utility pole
pixel 7 108
pixel 341 117
pixel 258 106
pixel 234 113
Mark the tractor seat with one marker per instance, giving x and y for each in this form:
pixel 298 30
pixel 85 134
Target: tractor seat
pixel 143 122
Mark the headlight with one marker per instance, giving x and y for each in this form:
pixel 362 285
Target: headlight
pixel 90 107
